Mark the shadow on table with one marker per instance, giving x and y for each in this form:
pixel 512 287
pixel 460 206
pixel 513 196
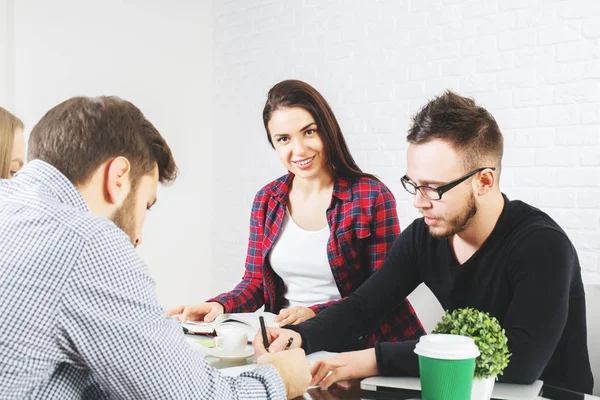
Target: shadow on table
pixel 350 390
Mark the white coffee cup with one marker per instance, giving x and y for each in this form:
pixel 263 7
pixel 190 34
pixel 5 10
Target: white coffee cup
pixel 231 342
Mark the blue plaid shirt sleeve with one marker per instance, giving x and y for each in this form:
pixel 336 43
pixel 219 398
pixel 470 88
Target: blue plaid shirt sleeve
pixel 111 323
pixel 80 317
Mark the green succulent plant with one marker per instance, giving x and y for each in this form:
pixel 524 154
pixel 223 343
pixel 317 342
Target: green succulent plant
pixel 487 334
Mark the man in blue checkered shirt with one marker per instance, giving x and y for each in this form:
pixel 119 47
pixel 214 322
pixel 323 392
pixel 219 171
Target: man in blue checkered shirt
pixel 79 313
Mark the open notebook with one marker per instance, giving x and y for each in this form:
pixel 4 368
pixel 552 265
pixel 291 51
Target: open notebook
pixel 245 321
pixel 502 391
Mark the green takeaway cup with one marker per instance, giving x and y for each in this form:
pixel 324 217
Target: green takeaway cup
pixel 446 364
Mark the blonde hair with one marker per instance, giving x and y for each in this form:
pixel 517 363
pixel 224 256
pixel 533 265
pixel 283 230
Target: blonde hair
pixel 8 127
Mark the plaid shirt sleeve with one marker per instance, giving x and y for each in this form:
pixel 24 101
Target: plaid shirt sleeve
pixel 248 295
pixel 385 228
pixel 111 324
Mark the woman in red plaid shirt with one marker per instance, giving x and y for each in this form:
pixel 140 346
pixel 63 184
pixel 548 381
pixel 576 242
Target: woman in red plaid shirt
pixel 317 233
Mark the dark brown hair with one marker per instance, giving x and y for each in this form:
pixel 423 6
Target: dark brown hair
pixel 294 93
pixel 470 129
pixel 9 124
pixel 80 134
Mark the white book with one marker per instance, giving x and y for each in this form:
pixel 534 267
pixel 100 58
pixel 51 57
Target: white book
pixel 246 321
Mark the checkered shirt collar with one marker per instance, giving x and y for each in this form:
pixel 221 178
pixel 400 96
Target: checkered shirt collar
pixel 40 173
pixel 280 189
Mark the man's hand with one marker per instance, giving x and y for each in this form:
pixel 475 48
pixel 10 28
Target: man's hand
pixel 352 365
pixel 278 339
pixel 293 368
pixel 294 315
pixel 206 312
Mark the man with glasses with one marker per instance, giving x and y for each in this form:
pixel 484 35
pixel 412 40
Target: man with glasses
pixel 473 248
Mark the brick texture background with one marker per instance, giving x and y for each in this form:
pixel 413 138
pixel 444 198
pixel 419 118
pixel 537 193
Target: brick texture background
pixel 534 64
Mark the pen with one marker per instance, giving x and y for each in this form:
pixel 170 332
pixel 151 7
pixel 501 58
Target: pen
pixel 289 343
pixel 264 332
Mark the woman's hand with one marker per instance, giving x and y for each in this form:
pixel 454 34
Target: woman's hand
pixel 351 365
pixel 206 312
pixel 294 315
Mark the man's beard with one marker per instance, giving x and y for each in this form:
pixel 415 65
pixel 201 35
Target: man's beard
pixel 459 222
pixel 124 217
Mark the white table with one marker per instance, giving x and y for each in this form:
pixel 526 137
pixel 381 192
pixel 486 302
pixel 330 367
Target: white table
pixel 220 364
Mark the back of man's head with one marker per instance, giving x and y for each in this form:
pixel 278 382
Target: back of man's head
pixel 80 134
pixel 470 129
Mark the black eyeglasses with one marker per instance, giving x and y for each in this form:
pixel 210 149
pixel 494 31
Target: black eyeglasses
pixel 432 193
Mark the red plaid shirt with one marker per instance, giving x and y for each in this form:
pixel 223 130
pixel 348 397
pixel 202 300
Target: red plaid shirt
pixel 364 225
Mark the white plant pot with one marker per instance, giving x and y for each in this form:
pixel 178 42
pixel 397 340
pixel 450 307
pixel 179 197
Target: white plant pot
pixel 482 388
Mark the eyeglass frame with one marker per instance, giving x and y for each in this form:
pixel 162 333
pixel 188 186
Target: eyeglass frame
pixel 441 189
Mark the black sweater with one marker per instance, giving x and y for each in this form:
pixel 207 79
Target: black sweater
pixel 526 274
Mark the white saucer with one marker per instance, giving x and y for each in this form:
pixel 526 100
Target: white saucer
pixel 214 352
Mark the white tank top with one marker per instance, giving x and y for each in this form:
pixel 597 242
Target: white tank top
pixel 299 257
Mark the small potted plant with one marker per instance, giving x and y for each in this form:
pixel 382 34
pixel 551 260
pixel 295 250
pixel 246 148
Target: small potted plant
pixel 491 340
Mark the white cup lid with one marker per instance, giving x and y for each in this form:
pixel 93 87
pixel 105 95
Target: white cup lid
pixel 447 347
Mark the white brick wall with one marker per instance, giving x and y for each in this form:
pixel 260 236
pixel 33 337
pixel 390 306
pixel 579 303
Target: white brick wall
pixel 535 64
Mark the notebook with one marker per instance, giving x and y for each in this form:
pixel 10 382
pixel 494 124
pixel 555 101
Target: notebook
pixel 502 391
pixel 245 321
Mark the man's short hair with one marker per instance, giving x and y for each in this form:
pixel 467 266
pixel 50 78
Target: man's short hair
pixel 80 134
pixel 470 129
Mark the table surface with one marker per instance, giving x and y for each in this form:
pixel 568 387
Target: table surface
pixel 353 391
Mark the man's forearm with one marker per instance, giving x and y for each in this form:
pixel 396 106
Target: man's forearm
pixel 397 358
